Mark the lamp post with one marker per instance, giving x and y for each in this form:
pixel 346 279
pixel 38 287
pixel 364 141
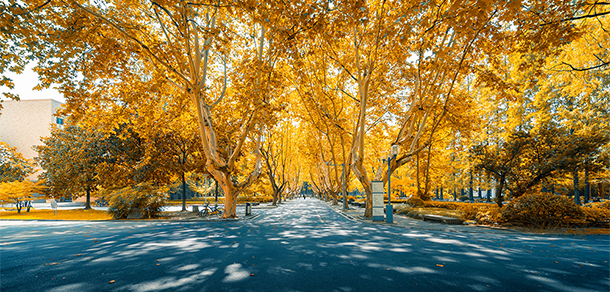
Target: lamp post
pixel 389 209
pixel 343 167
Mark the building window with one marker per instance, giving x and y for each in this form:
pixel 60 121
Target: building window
pixel 60 122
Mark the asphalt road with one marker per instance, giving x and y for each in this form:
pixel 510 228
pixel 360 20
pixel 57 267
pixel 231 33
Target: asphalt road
pixel 301 246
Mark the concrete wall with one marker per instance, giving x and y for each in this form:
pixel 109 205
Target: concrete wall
pixel 23 123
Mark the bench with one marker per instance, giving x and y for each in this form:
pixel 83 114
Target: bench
pixel 360 204
pixel 442 219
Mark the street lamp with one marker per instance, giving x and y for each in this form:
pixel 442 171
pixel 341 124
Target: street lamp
pixel 343 167
pixel 389 211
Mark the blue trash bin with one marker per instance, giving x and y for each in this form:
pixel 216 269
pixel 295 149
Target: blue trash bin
pixel 248 209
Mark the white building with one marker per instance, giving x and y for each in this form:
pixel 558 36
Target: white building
pixel 24 122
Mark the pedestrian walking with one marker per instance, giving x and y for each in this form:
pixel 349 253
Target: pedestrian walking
pixel 54 206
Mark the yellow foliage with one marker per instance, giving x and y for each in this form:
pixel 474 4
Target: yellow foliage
pixel 417 213
pixel 144 197
pixel 542 210
pixel 78 214
pixel 415 202
pixel 19 191
pixel 595 216
pixel 490 216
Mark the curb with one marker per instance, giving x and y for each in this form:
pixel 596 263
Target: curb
pixel 198 219
pixel 361 219
pixel 243 218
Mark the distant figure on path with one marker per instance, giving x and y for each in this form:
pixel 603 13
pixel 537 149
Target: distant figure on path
pixel 54 206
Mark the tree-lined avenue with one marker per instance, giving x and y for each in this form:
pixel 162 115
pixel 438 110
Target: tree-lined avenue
pixel 302 245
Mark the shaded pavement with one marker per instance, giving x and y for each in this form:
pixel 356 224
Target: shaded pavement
pixel 303 245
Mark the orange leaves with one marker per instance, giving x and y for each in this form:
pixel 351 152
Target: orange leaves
pixel 17 191
pixel 542 210
pixel 13 166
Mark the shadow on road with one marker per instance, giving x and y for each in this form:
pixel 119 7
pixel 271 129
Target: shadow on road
pixel 300 246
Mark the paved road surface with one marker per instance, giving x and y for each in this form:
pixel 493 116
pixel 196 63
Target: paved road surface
pixel 301 246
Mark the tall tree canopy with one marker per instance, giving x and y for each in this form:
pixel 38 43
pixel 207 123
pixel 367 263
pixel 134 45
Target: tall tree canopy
pixel 355 77
pixel 13 166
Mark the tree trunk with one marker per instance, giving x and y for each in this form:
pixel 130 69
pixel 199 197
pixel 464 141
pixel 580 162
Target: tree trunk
pixel 576 190
pixel 276 193
pixel 216 192
pixel 427 178
pixel 471 190
pixel 274 200
pixel 419 194
pixel 499 192
pixel 183 193
pixel 587 187
pixel 88 202
pixel 368 208
pixel 223 178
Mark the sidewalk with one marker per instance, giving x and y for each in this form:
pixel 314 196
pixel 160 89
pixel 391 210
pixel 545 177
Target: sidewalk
pixel 356 214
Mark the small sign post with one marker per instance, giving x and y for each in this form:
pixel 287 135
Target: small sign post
pixel 378 201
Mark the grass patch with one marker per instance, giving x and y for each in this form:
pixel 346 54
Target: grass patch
pixel 74 214
pixel 192 202
pixel 418 212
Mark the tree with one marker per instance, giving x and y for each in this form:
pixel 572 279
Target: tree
pixel 220 56
pixel 275 155
pixel 526 159
pixel 69 159
pixel 17 42
pixel 564 90
pixel 369 74
pixel 176 148
pixel 19 192
pixel 13 166
pixel 413 54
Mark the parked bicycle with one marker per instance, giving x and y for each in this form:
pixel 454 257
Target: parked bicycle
pixel 101 203
pixel 207 210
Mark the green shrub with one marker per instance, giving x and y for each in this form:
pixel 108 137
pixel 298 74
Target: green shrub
pixel 541 210
pixel 491 216
pixel 409 211
pixel 463 198
pixel 415 202
pixel 469 211
pixel 143 196
pixel 595 214
pixel 401 208
pixel 444 205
